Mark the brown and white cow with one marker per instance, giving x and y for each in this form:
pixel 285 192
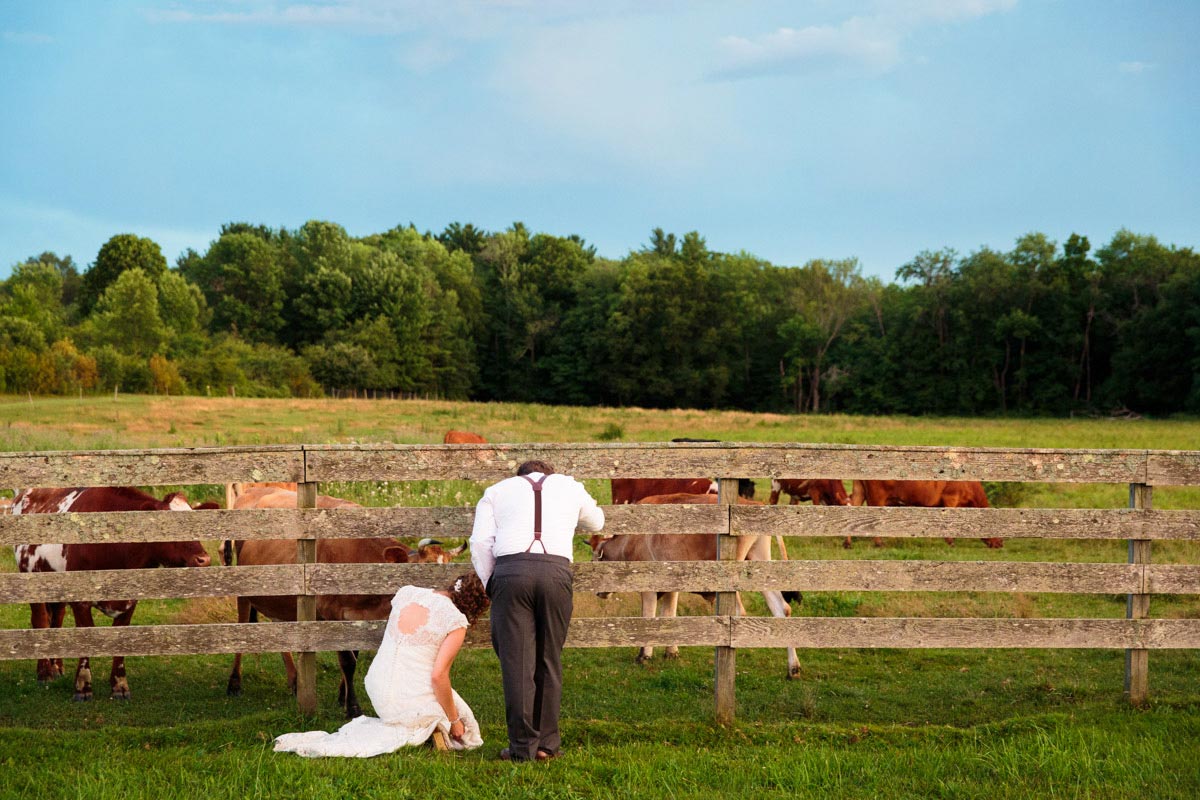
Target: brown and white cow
pixel 463 437
pixel 685 547
pixel 928 494
pixel 259 552
pixel 75 557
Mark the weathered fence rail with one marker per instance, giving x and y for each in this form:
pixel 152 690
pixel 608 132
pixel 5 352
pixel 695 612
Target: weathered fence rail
pixel 1139 579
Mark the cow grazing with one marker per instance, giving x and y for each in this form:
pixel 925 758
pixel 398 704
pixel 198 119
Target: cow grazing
pixel 683 547
pixel 821 492
pixel 259 552
pixel 927 494
pixel 75 557
pixel 632 490
pixel 463 437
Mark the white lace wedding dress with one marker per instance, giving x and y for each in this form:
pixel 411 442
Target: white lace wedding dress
pixel 400 685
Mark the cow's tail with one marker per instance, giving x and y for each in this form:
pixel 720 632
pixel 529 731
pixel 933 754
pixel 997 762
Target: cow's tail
pixel 227 551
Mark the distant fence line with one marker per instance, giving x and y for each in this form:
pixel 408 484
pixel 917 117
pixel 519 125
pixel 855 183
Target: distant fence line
pixel 311 465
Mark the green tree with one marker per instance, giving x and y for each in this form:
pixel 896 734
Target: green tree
pixel 118 255
pixel 127 316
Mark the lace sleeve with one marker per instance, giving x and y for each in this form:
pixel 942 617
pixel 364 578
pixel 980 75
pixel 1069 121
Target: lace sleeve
pixel 444 616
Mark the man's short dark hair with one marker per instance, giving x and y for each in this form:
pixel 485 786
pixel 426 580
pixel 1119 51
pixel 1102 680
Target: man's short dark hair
pixel 535 466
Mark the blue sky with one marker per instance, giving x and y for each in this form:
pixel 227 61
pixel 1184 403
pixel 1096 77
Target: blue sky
pixel 791 130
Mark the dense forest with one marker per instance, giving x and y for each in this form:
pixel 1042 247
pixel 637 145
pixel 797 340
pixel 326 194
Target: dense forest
pixel 517 316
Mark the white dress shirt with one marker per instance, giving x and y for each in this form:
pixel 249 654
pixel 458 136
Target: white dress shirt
pixel 504 519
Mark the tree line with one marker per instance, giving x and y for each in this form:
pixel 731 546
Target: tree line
pixel 517 316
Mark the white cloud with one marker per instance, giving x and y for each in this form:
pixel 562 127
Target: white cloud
pixel 1135 67
pixel 612 94
pixel 872 41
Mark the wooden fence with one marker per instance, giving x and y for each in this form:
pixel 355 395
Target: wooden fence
pixel 310 466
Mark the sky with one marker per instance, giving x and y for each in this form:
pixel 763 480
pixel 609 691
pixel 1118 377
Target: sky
pixel 868 129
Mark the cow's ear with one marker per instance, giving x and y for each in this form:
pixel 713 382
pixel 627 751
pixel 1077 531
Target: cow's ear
pixel 395 555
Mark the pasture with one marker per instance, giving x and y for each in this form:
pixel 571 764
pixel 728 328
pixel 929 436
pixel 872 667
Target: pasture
pixel 859 723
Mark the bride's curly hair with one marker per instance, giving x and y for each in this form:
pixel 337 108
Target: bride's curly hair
pixel 469 596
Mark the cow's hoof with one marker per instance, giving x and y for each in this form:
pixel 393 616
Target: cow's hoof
pixel 353 711
pixel 233 691
pixel 671 656
pixel 82 697
pixel 793 674
pixel 642 659
pixel 116 695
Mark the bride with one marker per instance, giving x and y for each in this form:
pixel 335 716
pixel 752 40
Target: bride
pixel 409 679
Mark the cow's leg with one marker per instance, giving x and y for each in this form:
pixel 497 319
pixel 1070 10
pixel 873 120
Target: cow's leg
pixel 289 666
pixel 780 608
pixel 83 673
pixel 116 679
pixel 348 660
pixel 668 607
pixel 649 611
pixel 234 687
pixel 39 618
pixel 58 611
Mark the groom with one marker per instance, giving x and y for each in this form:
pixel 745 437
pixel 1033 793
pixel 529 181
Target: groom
pixel 521 547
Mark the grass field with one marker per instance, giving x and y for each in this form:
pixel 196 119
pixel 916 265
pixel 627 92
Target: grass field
pixel 859 723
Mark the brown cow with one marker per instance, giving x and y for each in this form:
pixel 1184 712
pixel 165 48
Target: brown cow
pixel 463 437
pixel 927 494
pixel 822 491
pixel 685 547
pixel 259 552
pixel 74 557
pixel 632 490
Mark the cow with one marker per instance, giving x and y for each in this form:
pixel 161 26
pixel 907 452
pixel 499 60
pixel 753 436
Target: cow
pixel 631 490
pixel 463 437
pixel 927 494
pixel 77 557
pixel 820 491
pixel 685 547
pixel 258 552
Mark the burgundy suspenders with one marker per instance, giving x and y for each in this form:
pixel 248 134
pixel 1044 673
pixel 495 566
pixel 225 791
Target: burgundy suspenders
pixel 537 512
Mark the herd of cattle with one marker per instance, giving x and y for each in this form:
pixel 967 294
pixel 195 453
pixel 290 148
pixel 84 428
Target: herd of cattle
pixel 655 547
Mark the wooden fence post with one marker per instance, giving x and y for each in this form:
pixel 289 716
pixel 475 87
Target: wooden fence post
pixel 725 658
pixel 306 608
pixel 1137 606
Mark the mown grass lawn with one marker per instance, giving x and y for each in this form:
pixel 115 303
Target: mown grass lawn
pixel 858 723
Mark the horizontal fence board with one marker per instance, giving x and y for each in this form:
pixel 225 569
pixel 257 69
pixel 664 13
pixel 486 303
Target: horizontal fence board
pixel 1171 578
pixel 162 467
pixel 922 633
pixel 1005 523
pixel 660 460
pixel 867 576
pixel 141 584
pixel 748 632
pixel 444 523
pixel 648 460
pixel 270 637
pixel 448 523
pixel 686 576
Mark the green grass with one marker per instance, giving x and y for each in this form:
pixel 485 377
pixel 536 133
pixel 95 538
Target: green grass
pixel 857 724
